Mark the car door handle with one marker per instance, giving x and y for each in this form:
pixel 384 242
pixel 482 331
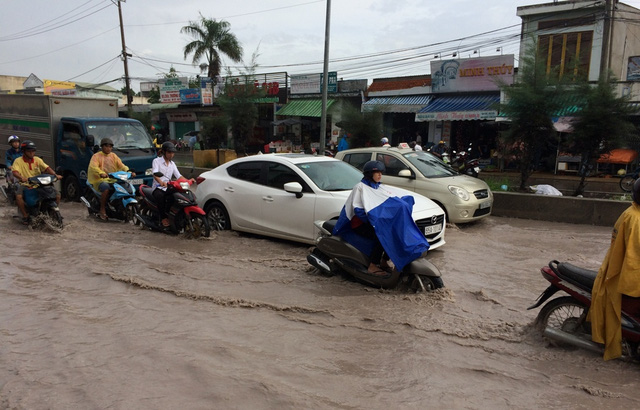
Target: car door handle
pixel 267 198
pixel 229 189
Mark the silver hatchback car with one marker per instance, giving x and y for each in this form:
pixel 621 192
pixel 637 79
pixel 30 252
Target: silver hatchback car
pixel 463 198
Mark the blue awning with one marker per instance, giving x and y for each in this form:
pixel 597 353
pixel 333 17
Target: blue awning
pixel 410 103
pixel 461 108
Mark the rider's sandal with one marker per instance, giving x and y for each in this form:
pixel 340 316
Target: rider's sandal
pixel 378 273
pixel 103 217
pixel 26 220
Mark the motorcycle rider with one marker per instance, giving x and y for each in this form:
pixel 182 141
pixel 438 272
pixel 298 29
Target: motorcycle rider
pixel 384 141
pixel 619 275
pixel 440 149
pixel 25 167
pixel 169 170
pixel 374 213
pixel 12 153
pixel 102 163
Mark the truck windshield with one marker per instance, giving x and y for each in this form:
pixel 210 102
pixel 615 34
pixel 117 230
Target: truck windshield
pixel 124 135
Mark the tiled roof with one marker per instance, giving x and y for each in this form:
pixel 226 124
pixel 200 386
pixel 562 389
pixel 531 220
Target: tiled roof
pixel 399 83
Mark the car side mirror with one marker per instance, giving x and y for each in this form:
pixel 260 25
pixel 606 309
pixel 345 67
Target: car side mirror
pixel 405 173
pixel 294 188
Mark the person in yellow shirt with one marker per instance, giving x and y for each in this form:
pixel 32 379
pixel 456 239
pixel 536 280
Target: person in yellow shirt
pixel 102 163
pixel 619 275
pixel 25 167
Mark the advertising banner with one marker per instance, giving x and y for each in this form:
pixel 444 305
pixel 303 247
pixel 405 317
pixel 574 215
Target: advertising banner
pixel 471 74
pixel 190 96
pixel 312 83
pixel 170 89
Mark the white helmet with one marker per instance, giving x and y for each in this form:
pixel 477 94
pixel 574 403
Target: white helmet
pixel 384 140
pixel 13 138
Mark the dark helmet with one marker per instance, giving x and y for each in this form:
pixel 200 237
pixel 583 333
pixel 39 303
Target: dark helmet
pixel 106 141
pixel 372 166
pixel 635 192
pixel 168 147
pixel 27 145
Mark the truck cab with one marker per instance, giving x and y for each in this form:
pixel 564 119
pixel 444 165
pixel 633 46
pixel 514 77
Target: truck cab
pixel 79 138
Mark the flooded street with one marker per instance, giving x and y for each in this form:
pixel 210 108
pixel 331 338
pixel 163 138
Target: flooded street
pixel 108 315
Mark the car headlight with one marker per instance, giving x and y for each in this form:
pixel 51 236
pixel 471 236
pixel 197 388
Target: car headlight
pixel 148 172
pixel 459 192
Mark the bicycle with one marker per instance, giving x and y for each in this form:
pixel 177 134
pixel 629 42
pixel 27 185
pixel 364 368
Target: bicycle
pixel 626 182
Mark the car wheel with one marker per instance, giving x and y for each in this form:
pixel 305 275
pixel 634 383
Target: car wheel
pixel 218 216
pixel 71 188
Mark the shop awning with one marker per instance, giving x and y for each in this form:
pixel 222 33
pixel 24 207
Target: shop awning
pixel 304 108
pixel 461 108
pixel 411 103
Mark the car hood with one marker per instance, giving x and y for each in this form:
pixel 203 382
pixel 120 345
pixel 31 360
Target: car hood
pixel 467 182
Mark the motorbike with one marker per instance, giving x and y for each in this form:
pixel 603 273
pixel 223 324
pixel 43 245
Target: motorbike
pixel 41 204
pixel 463 165
pixel 627 180
pixel 185 216
pixel 332 255
pixel 121 204
pixel 562 320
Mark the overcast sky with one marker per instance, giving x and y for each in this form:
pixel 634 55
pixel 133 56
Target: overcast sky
pixel 79 40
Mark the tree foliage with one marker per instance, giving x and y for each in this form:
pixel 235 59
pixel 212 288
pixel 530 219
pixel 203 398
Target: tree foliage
pixel 363 128
pixel 600 124
pixel 531 102
pixel 211 39
pixel 238 102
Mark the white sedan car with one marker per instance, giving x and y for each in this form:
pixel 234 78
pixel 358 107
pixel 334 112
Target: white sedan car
pixel 281 195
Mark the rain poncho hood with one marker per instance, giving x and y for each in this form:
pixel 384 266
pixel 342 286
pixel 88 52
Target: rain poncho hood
pixel 619 274
pixel 391 218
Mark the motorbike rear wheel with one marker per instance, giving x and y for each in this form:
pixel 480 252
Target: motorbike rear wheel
pixel 130 214
pixel 566 314
pixel 198 227
pixel 626 183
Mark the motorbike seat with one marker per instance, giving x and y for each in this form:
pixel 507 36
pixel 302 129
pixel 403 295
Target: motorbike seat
pixel 147 191
pixel 579 276
pixel 330 224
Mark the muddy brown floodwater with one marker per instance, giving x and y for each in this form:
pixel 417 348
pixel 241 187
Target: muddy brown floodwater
pixel 108 315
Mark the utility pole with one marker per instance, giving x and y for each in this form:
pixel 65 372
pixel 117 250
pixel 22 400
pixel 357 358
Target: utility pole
pixel 325 82
pixel 124 58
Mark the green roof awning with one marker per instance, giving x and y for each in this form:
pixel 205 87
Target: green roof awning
pixel 304 108
pixel 164 106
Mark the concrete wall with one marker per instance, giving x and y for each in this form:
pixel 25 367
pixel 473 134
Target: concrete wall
pixel 558 208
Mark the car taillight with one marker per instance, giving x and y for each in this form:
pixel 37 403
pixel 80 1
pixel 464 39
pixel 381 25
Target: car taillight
pixel 200 180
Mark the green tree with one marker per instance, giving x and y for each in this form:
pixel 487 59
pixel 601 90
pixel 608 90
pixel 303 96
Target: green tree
pixel 238 102
pixel 531 102
pixel 211 39
pixel 602 123
pixel 214 131
pixel 364 128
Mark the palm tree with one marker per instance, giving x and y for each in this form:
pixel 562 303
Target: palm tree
pixel 211 38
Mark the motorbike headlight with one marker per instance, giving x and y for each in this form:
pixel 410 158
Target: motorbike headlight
pixel 122 177
pixel 45 180
pixel 459 192
pixel 184 185
pixel 182 201
pixel 148 172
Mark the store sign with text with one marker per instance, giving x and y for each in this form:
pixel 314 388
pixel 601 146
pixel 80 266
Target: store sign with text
pixel 170 89
pixel 312 83
pixel 471 74
pixel 457 115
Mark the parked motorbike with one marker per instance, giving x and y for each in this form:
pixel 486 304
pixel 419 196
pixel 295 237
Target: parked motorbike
pixel 627 180
pixel 463 165
pixel 41 204
pixel 185 216
pixel 563 320
pixel 333 255
pixel 9 192
pixel 122 203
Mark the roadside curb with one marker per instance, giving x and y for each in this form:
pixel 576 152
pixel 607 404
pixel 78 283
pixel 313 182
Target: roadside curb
pixel 589 211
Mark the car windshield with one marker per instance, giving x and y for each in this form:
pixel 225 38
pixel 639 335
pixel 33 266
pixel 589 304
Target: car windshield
pixel 123 134
pixel 429 165
pixel 331 175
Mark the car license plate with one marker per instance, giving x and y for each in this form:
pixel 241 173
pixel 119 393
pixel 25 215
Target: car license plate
pixel 137 181
pixel 486 204
pixel 428 230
